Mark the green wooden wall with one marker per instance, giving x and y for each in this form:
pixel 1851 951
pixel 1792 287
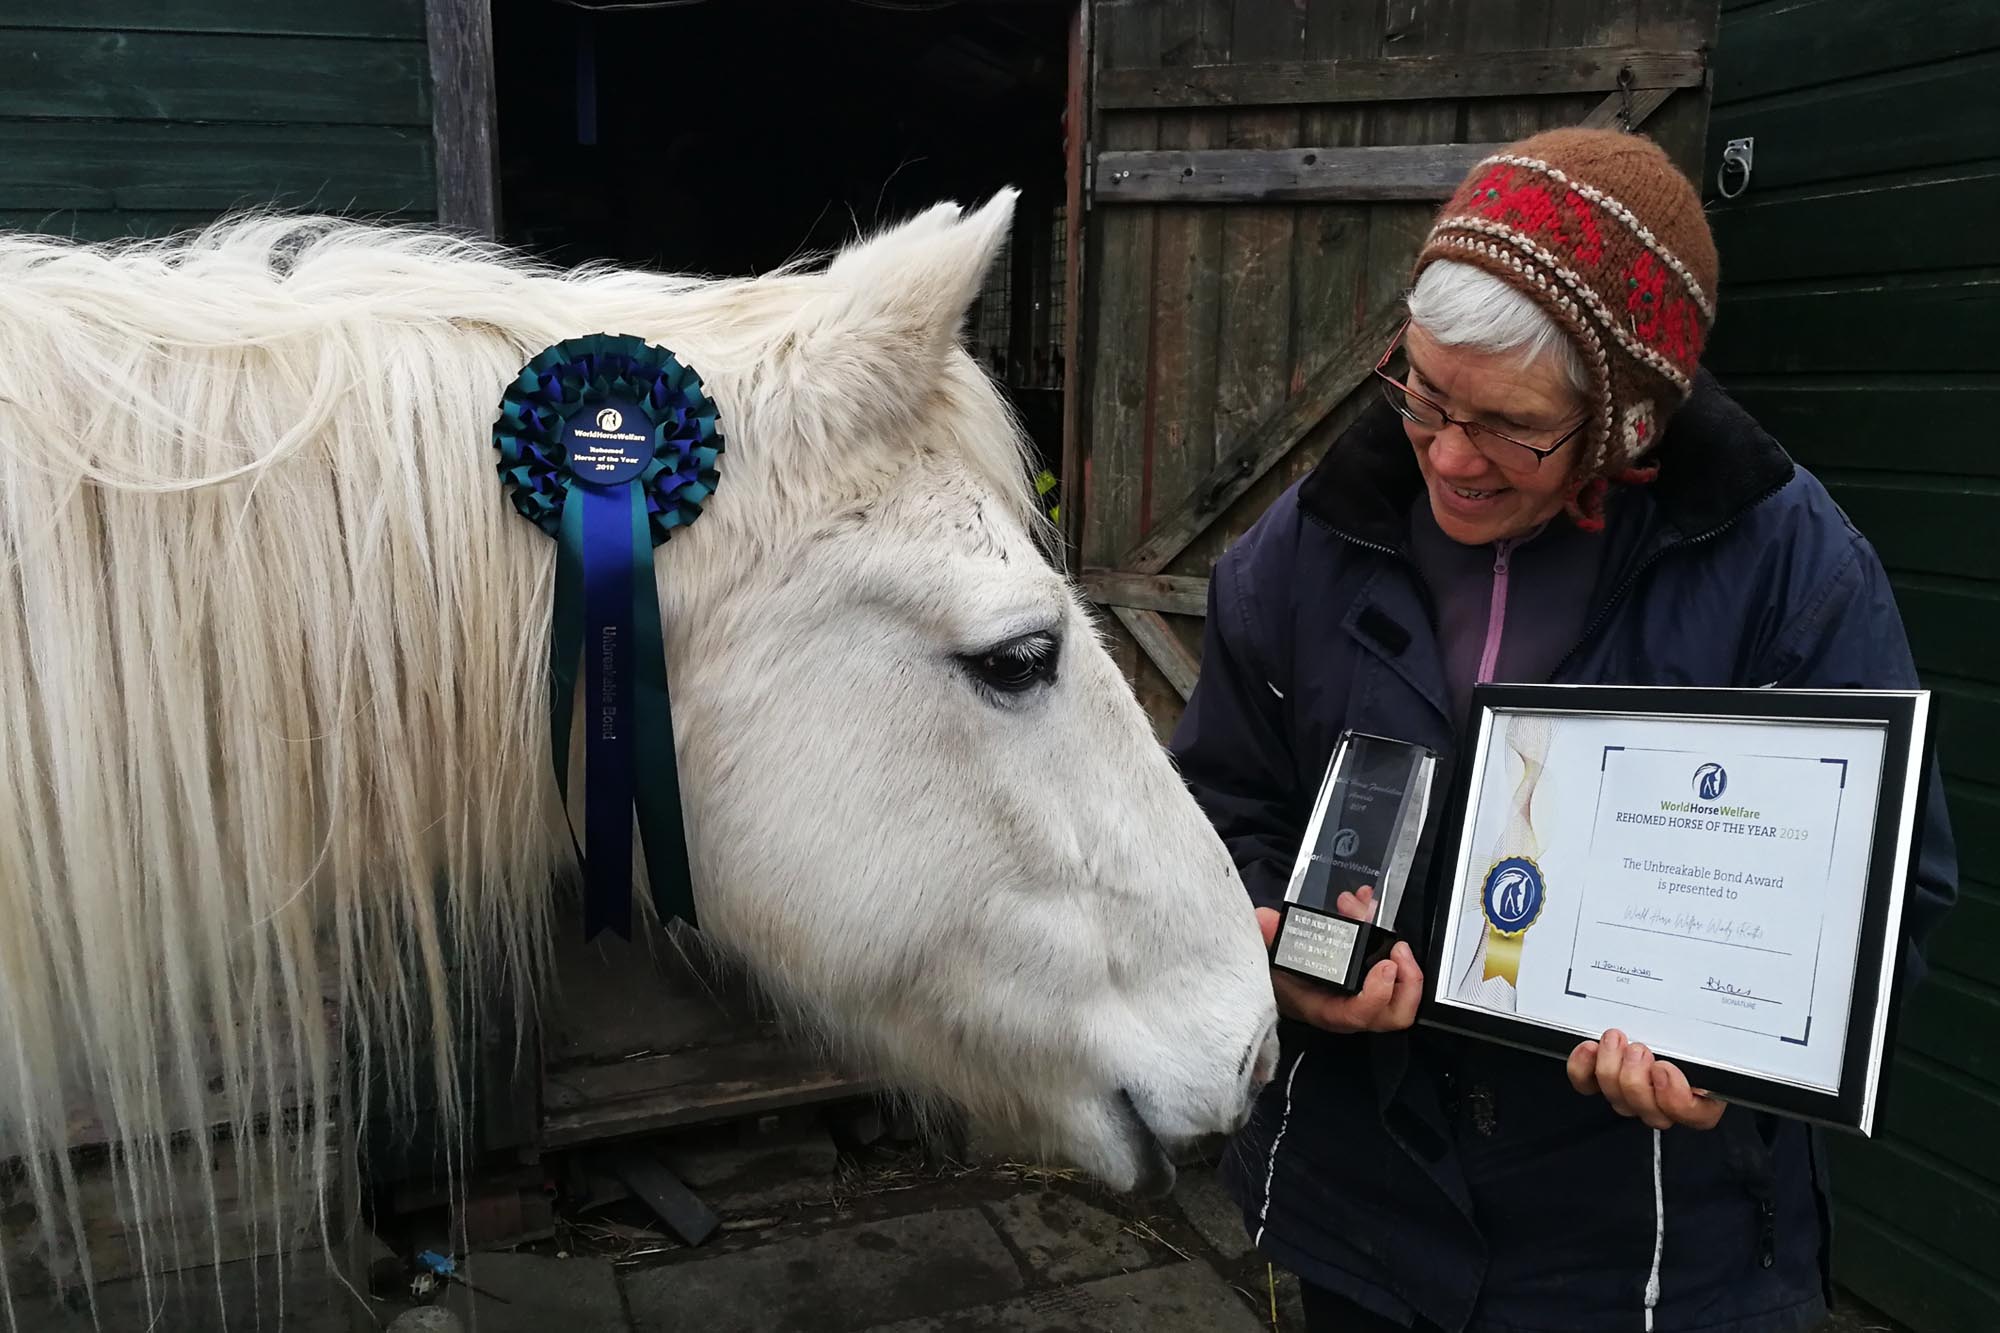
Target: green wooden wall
pixel 1860 322
pixel 141 116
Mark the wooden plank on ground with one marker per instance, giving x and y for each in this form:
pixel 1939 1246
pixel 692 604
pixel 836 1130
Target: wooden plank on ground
pixel 57 73
pixel 1397 78
pixel 1260 448
pixel 1180 666
pixel 751 1075
pixel 1147 592
pixel 1287 175
pixel 119 165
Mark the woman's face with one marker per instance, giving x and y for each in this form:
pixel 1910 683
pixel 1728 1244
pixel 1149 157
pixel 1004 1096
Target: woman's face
pixel 1480 497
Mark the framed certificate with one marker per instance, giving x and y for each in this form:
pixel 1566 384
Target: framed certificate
pixel 1720 874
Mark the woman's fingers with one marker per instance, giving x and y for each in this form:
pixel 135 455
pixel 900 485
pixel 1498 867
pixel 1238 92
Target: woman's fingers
pixel 1582 1068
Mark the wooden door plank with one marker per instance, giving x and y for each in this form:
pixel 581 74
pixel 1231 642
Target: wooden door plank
pixel 1642 103
pixel 1261 447
pixel 1187 279
pixel 1449 74
pixel 1174 659
pixel 1312 174
pixel 1171 593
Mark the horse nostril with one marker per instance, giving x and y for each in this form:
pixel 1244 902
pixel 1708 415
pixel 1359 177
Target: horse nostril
pixel 1262 1058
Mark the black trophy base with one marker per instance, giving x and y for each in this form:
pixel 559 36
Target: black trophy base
pixel 1333 950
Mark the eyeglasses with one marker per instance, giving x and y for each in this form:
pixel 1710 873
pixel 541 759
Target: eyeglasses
pixel 1502 448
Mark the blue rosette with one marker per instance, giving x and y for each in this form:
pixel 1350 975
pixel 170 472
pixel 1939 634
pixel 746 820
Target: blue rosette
pixel 610 445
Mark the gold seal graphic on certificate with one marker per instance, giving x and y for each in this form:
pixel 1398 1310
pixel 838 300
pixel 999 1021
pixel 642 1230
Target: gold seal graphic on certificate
pixel 1510 899
pixel 1514 890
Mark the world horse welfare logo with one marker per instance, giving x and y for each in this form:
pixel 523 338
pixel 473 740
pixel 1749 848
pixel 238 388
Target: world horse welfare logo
pixel 610 419
pixel 1513 895
pixel 1710 781
pixel 1346 843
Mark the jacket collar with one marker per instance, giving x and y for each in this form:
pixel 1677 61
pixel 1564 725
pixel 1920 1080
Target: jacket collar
pixel 1715 463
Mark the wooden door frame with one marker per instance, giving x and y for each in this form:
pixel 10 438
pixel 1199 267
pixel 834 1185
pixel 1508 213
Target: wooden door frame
pixel 464 125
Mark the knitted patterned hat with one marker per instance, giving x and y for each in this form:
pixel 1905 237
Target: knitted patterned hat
pixel 1601 230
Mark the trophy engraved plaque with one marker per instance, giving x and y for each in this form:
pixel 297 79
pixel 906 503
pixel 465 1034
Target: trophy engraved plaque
pixel 1365 828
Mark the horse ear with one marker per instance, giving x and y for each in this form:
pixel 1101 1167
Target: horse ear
pixel 910 286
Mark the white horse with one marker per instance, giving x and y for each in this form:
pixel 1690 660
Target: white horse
pixel 272 651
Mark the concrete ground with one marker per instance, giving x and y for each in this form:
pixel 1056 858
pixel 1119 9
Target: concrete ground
pixel 875 1241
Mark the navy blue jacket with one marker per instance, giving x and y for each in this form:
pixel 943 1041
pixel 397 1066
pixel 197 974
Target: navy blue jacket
pixel 1423 1174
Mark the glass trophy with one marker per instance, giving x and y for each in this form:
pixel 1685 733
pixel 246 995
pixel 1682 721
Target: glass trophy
pixel 1365 828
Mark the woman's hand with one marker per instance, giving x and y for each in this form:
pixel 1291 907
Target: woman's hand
pixel 1638 1085
pixel 1387 1000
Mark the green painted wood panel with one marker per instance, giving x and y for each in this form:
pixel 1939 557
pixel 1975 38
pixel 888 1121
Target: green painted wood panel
pixel 1783 46
pixel 1922 322
pixel 1920 1286
pixel 122 165
pixel 1915 1192
pixel 1844 228
pixel 306 18
pixel 1968 714
pixel 1883 423
pixel 205 76
pixel 1950 624
pixel 1924 117
pixel 1971 948
pixel 1944 1018
pixel 1933 525
pixel 1944 1113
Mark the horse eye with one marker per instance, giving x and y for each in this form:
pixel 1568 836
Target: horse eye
pixel 1017 666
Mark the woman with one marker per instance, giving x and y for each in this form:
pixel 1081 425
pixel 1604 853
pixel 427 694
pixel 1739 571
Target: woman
pixel 1551 490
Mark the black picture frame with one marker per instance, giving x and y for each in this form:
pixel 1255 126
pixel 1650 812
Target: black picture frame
pixel 1903 717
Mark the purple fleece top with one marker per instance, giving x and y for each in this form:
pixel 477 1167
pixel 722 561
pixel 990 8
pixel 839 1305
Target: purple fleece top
pixel 1509 611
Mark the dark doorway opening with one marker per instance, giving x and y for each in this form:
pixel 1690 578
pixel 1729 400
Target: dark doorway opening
pixel 730 136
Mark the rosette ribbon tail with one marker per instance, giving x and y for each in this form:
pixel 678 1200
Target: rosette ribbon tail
pixel 607 626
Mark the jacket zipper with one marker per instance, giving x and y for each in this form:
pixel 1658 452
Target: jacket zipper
pixel 1496 611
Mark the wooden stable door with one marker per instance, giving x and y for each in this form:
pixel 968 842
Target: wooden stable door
pixel 1257 178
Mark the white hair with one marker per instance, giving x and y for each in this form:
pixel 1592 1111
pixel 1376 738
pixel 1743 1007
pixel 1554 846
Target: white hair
pixel 1458 305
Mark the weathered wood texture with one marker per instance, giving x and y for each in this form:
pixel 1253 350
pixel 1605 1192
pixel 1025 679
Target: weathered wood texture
pixel 641 1039
pixel 1399 78
pixel 1286 175
pixel 278 1217
pixel 123 117
pixel 1238 296
pixel 1860 306
pixel 465 126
